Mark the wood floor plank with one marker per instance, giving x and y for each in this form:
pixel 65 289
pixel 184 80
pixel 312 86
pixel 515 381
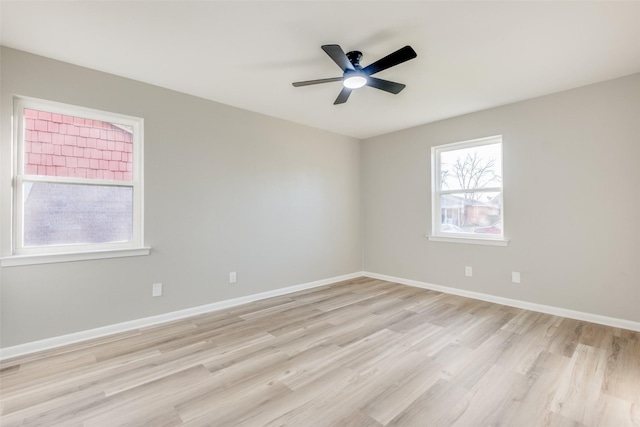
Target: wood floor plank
pixel 441 405
pixel 361 352
pixel 622 376
pixel 581 384
pixel 395 397
pixel 133 406
pixel 358 419
pixel 366 382
pixel 491 409
pixel 544 378
pixel 321 385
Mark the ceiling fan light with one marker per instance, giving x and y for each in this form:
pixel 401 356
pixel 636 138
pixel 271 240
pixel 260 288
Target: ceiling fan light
pixel 354 81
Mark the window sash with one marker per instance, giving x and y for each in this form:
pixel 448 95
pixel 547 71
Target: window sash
pixel 437 215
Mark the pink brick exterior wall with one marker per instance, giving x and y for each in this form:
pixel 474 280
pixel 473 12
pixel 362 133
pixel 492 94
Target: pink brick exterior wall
pixel 59 145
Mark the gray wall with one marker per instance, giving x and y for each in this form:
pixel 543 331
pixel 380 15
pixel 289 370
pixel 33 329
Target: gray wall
pixel 226 190
pixel 572 202
pixel 230 190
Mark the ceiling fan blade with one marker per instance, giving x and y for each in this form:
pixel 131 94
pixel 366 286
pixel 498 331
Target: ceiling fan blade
pixel 386 85
pixel 339 57
pixel 315 82
pixel 398 57
pixel 343 96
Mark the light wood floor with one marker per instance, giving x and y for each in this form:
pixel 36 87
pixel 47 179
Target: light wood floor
pixel 358 353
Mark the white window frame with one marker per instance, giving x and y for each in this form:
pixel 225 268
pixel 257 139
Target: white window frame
pixel 436 192
pixel 21 255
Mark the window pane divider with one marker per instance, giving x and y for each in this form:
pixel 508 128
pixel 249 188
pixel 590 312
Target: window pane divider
pixel 472 190
pixel 74 180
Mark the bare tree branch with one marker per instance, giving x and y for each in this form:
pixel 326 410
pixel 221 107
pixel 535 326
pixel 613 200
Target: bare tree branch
pixel 472 172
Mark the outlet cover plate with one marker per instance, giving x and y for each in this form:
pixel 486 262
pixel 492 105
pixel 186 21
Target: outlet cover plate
pixel 157 290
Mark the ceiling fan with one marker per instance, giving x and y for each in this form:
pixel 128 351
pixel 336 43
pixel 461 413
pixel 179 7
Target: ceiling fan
pixel 354 76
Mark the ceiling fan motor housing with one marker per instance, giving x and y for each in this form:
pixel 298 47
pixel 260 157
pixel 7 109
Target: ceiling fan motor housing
pixel 355 57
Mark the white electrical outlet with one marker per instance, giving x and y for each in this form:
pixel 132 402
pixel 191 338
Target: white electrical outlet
pixel 232 277
pixel 156 290
pixel 468 271
pixel 515 276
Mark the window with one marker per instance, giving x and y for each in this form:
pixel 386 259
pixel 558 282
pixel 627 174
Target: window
pixel 77 179
pixel 467 191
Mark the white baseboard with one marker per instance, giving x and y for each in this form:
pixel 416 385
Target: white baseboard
pixel 548 309
pixel 49 343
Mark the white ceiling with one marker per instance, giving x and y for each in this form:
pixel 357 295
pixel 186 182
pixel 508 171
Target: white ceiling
pixel 471 55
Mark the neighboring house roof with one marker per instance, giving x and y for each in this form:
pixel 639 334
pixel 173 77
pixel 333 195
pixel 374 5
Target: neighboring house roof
pixel 455 201
pixel 61 145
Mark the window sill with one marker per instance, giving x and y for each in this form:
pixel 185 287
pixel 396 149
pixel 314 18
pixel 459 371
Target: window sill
pixel 15 260
pixel 469 240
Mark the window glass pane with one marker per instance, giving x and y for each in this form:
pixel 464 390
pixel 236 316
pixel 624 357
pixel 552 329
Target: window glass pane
pixel 71 146
pixel 470 168
pixel 59 214
pixel 478 212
